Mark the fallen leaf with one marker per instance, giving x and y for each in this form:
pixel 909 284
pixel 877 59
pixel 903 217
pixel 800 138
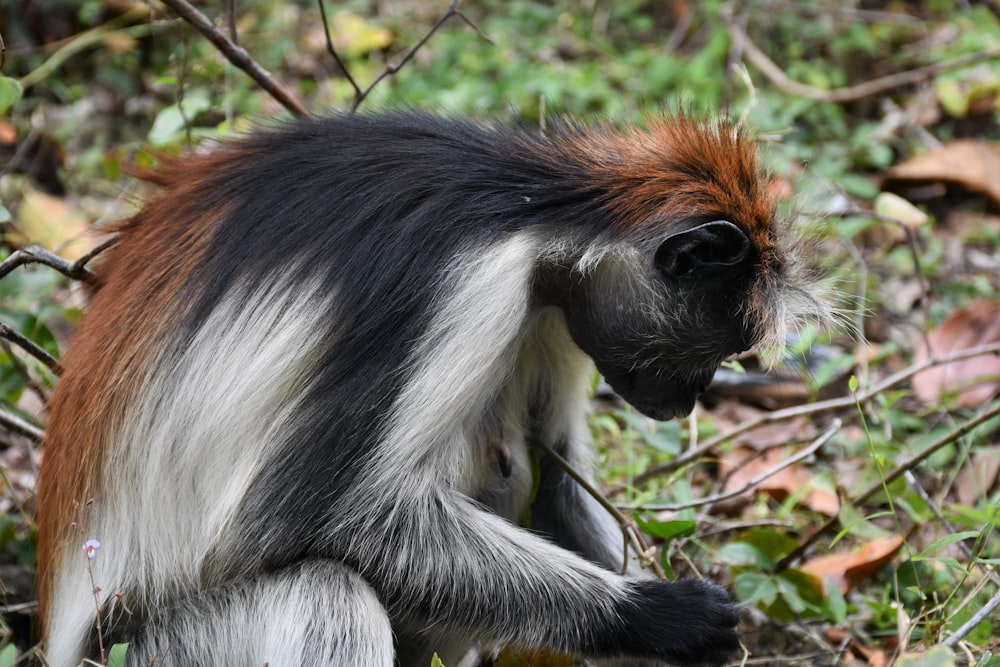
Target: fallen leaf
pixel 874 657
pixel 936 656
pixel 846 570
pixel 8 133
pixel 975 380
pixel 978 476
pixel 970 163
pixel 893 206
pixel 512 658
pixel 785 482
pixel 52 223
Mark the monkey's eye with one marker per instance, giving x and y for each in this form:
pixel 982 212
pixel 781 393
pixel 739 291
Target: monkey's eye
pixel 708 250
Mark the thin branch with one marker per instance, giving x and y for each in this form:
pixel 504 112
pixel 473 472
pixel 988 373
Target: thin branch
pixel 231 17
pixel 333 52
pixel 31 348
pixel 18 425
pixel 754 481
pixel 87 39
pixel 626 525
pixel 391 69
pixel 37 255
pixel 897 472
pixel 79 264
pixel 977 618
pixel 912 482
pixel 809 409
pixel 777 76
pixel 237 55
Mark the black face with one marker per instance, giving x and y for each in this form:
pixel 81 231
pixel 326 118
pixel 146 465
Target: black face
pixel 659 331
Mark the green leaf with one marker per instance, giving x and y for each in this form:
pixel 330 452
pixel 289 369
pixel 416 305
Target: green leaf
pixel 116 656
pixel 836 605
pixel 172 120
pixel 743 553
pixel 989 660
pixel 755 588
pixel 10 93
pixel 8 655
pixel 436 661
pixel 666 530
pixel 945 541
pixel 936 656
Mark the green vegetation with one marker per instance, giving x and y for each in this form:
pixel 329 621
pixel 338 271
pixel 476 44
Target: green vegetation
pixel 880 542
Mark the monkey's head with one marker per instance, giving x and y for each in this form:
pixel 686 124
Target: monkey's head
pixel 693 267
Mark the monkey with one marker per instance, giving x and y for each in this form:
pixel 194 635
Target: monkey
pixel 299 411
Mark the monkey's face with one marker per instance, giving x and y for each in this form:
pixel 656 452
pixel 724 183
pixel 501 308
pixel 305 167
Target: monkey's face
pixel 658 320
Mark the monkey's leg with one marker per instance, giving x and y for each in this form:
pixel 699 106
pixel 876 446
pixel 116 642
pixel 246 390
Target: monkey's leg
pixel 316 614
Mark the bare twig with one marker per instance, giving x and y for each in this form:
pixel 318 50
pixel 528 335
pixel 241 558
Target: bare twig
pixel 78 265
pixel 231 17
pixel 18 425
pixel 912 482
pixel 19 607
pixel 777 76
pixel 3 51
pixel 896 473
pixel 629 530
pixel 810 409
pixel 31 348
pixel 336 56
pixel 390 69
pixel 87 39
pixel 977 618
pixel 757 479
pixel 237 55
pixel 37 255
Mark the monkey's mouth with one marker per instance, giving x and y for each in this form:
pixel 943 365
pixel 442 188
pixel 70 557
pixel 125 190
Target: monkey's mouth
pixel 658 397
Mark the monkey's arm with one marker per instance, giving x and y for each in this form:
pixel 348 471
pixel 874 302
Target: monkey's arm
pixel 440 560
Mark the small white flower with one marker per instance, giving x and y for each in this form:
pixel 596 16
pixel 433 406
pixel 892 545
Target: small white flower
pixel 91 547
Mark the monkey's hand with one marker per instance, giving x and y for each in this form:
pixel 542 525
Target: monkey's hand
pixel 687 622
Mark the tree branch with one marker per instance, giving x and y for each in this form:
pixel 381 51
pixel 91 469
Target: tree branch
pixel 743 43
pixel 237 55
pixel 37 255
pixel 18 425
pixel 809 409
pixel 896 473
pixel 390 69
pixel 757 479
pixel 31 348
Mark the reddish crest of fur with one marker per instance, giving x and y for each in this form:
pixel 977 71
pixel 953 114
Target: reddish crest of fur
pixel 679 169
pixel 127 322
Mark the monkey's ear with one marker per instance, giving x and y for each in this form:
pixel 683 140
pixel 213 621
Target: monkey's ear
pixel 707 250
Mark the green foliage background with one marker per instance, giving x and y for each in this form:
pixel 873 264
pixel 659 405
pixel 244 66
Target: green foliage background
pixel 108 83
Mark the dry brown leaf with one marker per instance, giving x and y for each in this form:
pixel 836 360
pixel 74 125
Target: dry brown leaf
pixel 785 482
pixel 51 222
pixel 973 380
pixel 848 569
pixel 730 414
pixel 8 133
pixel 978 476
pixel 513 658
pixel 970 163
pixel 873 657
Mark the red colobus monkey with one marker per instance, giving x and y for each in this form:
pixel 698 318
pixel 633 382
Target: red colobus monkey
pixel 297 413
